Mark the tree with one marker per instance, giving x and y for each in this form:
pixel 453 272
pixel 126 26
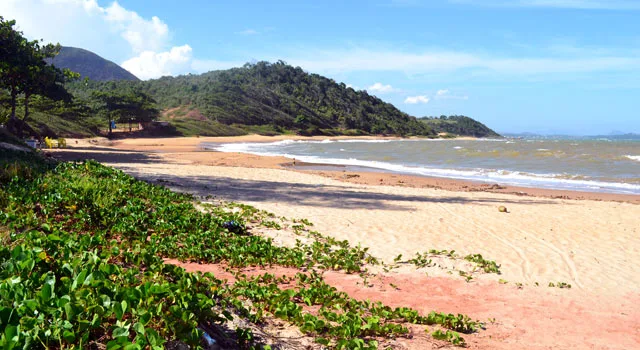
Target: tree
pixel 123 105
pixel 23 70
pixel 14 58
pixel 45 80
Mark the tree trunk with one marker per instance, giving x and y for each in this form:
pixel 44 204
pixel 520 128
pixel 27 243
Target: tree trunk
pixel 12 118
pixel 26 114
pixel 14 95
pixel 110 130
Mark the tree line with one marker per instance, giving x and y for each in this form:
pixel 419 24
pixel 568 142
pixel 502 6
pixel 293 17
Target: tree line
pixel 26 73
pixel 459 125
pixel 277 95
pixel 260 96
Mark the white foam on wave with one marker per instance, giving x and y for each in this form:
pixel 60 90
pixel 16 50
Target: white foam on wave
pixel 515 178
pixel 636 158
pixel 246 145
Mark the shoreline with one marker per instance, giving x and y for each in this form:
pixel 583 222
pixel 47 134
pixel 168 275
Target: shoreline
pixel 587 240
pixel 590 243
pixel 191 149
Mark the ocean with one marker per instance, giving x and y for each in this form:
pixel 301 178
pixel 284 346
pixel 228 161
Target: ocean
pixel 601 165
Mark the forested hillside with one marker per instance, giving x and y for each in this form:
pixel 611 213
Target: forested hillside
pixel 458 125
pixel 274 97
pixel 90 65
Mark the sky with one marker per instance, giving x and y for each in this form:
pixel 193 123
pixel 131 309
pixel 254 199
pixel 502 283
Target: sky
pixel 543 66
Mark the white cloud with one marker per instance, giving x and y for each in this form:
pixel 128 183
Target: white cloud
pixel 64 20
pixel 412 100
pixel 86 24
pixel 140 33
pixel 150 64
pixel 380 88
pixel 445 94
pixel 443 62
pixel 569 4
pixel 248 32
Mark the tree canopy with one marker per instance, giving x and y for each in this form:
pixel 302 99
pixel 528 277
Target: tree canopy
pixel 276 95
pixel 459 125
pixel 24 72
pixel 127 105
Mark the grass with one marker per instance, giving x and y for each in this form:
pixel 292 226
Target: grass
pixel 54 125
pixel 192 127
pixel 81 266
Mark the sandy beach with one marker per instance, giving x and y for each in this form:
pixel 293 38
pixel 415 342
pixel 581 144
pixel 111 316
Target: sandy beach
pixel 588 240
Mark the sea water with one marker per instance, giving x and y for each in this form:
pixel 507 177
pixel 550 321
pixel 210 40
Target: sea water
pixel 601 165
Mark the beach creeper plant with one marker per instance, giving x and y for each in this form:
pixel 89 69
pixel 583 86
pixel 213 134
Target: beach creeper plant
pixel 421 260
pixel 81 267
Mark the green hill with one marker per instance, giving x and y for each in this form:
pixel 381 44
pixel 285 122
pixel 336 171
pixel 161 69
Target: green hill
pixel 264 98
pixel 459 125
pixel 88 64
pixel 268 98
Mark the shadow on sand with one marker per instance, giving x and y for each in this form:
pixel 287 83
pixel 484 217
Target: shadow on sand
pixel 240 190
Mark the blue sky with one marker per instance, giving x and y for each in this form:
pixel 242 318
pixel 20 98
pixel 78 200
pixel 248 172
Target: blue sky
pixel 564 66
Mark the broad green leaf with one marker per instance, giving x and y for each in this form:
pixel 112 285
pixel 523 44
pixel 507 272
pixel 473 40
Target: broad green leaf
pixel 120 332
pixel 106 301
pixel 139 328
pixel 113 345
pixel 323 341
pixel 46 292
pixel 145 317
pixel 88 280
pixel 68 309
pixel 69 336
pixel 119 308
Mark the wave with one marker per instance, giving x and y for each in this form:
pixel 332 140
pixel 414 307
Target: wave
pixel 636 158
pixel 506 177
pixel 325 141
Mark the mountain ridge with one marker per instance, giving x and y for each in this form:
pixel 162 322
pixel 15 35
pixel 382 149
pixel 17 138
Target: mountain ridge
pixel 273 98
pixel 90 65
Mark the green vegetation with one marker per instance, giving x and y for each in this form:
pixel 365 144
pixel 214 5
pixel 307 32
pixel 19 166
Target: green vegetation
pixel 81 266
pixel 24 72
pixel 488 266
pixel 452 337
pixel 125 105
pixel 265 98
pixel 458 125
pixel 89 65
pixel 277 95
pixel 421 260
pixel 561 285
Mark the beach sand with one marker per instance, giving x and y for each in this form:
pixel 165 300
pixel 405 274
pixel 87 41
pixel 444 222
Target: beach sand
pixel 588 240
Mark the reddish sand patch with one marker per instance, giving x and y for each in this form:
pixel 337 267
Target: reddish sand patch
pixel 528 318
